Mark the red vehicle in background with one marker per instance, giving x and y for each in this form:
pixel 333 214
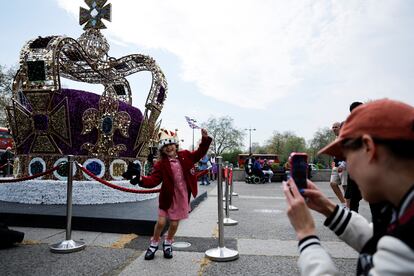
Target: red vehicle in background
pixel 6 140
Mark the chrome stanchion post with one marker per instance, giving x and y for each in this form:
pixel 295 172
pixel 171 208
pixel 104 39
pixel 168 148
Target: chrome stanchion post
pixel 8 167
pixel 232 193
pixel 221 253
pixel 231 206
pixel 68 245
pixel 228 221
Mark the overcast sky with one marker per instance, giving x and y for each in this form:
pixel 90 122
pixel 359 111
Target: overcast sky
pixel 270 65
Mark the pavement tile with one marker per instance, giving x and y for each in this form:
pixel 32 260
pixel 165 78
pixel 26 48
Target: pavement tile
pixel 268 265
pixel 202 221
pixel 38 260
pixel 183 264
pixel 38 234
pixel 290 248
pixel 197 244
pixel 51 236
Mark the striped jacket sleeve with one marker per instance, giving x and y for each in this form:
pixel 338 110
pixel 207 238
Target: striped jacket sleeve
pixel 350 227
pixel 313 259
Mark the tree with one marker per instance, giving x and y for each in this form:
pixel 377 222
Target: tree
pixel 6 81
pixel 225 136
pixel 256 148
pixel 232 156
pixel 285 143
pixel 320 139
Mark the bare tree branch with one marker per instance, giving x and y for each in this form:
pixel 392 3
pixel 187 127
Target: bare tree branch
pixel 225 135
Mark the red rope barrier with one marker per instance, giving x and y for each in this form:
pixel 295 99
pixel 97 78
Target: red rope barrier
pixel 29 177
pixel 225 173
pixel 201 173
pixel 231 177
pixel 2 166
pixel 116 187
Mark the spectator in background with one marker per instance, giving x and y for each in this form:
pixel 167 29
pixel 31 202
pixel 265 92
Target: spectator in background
pixel 309 171
pixel 6 161
pixel 287 169
pixel 257 168
pixel 267 170
pixel 352 192
pixel 204 165
pixel 213 169
pixel 249 164
pixel 335 180
pixel 149 164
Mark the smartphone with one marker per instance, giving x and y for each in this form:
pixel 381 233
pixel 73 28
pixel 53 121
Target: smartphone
pixel 299 169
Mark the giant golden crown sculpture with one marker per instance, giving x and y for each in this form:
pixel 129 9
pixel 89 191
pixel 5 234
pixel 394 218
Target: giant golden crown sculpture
pixel 104 131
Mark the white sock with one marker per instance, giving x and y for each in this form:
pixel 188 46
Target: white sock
pixel 154 243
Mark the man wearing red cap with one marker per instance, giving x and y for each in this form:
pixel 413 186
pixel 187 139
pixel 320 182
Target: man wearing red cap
pixel 377 141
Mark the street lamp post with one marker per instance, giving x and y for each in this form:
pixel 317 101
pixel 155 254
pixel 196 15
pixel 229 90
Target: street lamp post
pixel 250 138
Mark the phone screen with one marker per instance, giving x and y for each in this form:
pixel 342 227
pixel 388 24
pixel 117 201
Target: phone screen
pixel 299 170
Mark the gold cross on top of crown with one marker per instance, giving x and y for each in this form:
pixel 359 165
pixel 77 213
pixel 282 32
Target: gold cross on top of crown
pixel 93 17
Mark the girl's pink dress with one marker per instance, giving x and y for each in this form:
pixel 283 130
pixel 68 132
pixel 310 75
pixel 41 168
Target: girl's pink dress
pixel 179 208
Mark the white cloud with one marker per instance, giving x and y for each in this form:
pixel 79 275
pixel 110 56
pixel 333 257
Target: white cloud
pixel 314 57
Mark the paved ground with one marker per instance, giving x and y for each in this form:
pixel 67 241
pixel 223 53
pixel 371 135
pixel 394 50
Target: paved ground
pixel 263 238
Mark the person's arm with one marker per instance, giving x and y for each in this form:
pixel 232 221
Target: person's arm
pixel 313 259
pixel 393 257
pixel 350 227
pixel 202 148
pixel 152 180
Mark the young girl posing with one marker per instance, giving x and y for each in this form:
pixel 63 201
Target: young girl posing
pixel 175 170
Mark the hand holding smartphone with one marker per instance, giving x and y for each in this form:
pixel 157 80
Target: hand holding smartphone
pixel 299 169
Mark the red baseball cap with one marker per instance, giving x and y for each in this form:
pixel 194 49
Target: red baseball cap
pixel 384 119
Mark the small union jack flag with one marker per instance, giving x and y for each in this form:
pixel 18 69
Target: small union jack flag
pixel 191 122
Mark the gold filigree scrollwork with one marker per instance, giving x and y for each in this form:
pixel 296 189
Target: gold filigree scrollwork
pixel 106 120
pixel 46 126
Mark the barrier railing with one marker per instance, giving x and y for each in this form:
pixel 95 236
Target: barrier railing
pixel 221 253
pixel 227 221
pixel 116 187
pixel 10 180
pixel 230 183
pixel 232 193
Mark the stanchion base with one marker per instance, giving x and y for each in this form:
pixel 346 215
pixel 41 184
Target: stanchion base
pixel 67 246
pixel 229 222
pixel 231 208
pixel 222 254
pixel 235 194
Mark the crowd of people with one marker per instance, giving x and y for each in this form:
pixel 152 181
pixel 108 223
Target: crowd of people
pixel 254 166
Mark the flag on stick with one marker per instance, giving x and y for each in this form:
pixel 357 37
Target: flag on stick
pixel 191 122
